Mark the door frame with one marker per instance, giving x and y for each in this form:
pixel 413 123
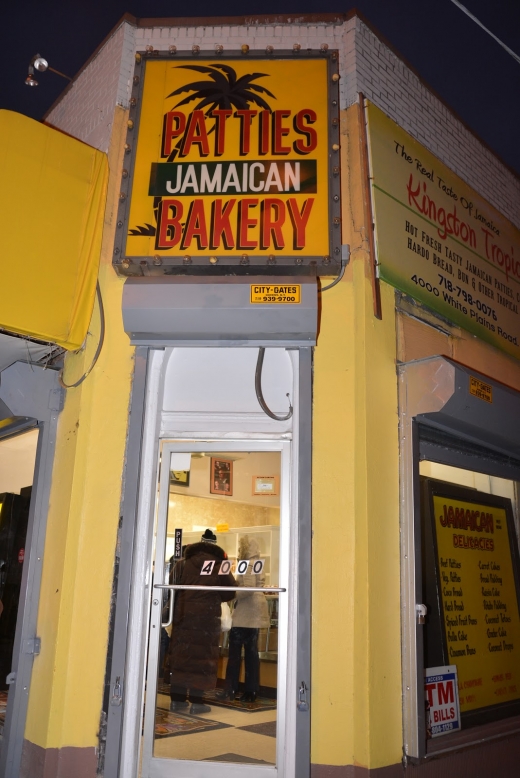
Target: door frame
pixel 124 685
pixel 191 768
pixel 32 393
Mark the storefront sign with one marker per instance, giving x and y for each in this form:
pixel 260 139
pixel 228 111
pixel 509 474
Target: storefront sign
pixel 274 293
pixel 442 700
pixel 441 242
pixel 233 161
pixel 476 560
pixel 481 389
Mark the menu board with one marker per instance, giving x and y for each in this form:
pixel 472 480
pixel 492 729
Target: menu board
pixel 476 559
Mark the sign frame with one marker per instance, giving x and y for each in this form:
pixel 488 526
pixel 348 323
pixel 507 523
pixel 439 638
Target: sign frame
pixel 439 240
pixel 248 262
pixel 437 618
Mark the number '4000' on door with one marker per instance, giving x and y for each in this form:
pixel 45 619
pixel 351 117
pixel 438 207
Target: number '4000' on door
pixel 225 567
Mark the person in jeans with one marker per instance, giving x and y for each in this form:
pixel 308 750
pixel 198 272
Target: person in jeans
pixel 250 615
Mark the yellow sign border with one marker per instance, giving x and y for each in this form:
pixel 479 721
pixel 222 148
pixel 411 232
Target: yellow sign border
pixel 127 259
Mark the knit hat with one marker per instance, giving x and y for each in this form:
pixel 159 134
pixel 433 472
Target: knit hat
pixel 209 537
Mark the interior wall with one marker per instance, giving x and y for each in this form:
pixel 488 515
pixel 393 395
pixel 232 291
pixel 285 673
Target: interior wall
pixel 17 459
pixel 245 467
pixel 190 513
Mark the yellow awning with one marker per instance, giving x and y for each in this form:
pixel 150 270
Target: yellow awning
pixel 52 201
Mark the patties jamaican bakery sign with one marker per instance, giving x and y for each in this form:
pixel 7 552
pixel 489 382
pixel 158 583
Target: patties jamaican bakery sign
pixel 232 158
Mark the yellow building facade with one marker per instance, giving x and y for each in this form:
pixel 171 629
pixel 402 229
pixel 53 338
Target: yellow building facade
pixel 341 693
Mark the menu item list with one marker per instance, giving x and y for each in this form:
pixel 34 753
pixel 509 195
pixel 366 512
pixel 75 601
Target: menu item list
pixel 479 600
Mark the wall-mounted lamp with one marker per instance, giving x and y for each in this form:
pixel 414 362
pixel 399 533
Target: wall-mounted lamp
pixel 41 64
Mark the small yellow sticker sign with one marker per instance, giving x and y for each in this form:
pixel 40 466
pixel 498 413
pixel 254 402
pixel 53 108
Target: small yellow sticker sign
pixel 480 389
pixel 277 294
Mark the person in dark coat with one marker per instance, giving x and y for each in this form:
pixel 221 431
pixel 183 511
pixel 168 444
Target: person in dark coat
pixel 194 644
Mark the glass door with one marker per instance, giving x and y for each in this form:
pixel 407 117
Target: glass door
pixel 217 655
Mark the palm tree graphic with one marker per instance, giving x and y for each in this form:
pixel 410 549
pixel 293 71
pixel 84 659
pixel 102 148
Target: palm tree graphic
pixel 224 90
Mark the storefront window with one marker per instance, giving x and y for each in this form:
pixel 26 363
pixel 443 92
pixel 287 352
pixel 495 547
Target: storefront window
pixel 471 586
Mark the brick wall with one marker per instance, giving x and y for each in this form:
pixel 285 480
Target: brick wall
pixel 373 69
pixel 366 65
pixel 257 37
pixel 86 110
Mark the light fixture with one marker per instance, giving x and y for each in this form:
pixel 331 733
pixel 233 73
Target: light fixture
pixel 41 65
pixel 30 81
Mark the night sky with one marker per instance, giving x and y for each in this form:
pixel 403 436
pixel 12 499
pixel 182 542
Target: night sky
pixel 463 64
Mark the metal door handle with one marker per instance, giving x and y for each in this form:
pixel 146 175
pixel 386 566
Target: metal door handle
pixel 266 590
pixel 303 705
pixel 170 609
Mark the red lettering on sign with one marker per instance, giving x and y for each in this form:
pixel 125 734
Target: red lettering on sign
pixel 301 125
pixel 279 132
pixel 169 229
pixel 245 221
pixel 196 135
pixel 299 220
pixel 173 126
pixel 220 224
pixel 195 226
pixel 220 115
pixel 245 117
pixel 263 133
pixel 445 692
pixel 272 219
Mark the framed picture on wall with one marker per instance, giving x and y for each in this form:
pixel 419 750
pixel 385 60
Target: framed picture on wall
pixel 180 477
pixel 265 485
pixel 221 477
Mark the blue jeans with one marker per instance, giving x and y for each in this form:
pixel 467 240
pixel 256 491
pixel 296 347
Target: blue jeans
pixel 247 637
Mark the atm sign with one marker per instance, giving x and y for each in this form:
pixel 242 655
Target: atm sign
pixel 274 293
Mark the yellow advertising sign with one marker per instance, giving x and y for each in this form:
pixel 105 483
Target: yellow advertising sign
pixel 276 293
pixel 441 242
pixel 479 599
pixel 232 160
pixel 480 389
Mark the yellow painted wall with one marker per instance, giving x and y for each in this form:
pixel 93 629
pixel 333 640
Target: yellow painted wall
pixel 356 648
pixel 78 564
pixel 356 679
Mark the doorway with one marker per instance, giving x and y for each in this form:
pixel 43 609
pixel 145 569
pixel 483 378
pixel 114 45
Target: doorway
pixel 194 401
pixel 17 462
pixel 215 692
